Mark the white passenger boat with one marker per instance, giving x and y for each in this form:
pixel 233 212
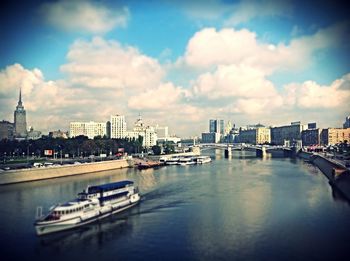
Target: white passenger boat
pixel 203 159
pixel 172 161
pixel 186 161
pixel 96 202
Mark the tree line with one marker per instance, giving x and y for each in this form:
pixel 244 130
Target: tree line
pixel 77 146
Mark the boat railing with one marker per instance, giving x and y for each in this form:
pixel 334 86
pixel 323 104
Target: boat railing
pixel 39 212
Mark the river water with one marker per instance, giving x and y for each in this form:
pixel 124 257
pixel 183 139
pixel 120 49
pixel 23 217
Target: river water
pixel 242 208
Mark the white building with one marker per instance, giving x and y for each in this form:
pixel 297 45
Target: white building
pixel 149 137
pixel 90 129
pixel 118 127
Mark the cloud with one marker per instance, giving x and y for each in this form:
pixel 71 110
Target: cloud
pixel 247 10
pixel 311 95
pixel 107 64
pixel 15 77
pixel 234 81
pixel 210 47
pixel 47 102
pixel 84 16
pixel 164 97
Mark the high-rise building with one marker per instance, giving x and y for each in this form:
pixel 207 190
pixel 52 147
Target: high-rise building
pixel 118 127
pixel 20 122
pixel 90 129
pixel 217 126
pixel 148 134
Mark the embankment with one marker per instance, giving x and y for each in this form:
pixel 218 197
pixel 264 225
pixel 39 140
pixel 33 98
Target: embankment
pixel 24 175
pixel 338 175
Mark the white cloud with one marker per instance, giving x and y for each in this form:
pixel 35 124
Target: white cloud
pixel 108 64
pixel 209 47
pixel 15 77
pixel 46 102
pixel 164 97
pixel 234 81
pixel 84 16
pixel 311 95
pixel 247 10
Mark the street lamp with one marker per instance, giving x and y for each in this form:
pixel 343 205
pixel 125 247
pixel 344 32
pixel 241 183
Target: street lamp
pixel 59 146
pixel 4 157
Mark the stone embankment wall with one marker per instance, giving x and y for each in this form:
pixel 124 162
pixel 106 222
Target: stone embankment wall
pixel 16 176
pixel 329 168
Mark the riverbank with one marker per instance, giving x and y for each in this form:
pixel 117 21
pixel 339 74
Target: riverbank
pixel 337 174
pixel 34 174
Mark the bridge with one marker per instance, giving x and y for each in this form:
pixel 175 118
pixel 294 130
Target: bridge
pixel 261 150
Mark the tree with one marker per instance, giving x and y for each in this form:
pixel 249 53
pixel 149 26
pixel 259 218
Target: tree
pixel 156 149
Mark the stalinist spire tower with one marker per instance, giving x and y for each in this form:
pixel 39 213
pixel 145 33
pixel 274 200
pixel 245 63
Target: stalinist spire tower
pixel 20 119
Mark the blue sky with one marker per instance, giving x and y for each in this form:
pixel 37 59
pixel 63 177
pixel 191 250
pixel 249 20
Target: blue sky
pixel 179 63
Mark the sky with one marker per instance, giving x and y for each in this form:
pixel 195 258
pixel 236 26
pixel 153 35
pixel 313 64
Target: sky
pixel 177 63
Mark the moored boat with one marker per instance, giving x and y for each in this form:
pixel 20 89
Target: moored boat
pixel 186 161
pixel 94 203
pixel 203 159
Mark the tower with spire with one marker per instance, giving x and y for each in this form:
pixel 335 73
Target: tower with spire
pixel 20 122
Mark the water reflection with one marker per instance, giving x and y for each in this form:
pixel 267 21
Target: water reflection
pixel 238 208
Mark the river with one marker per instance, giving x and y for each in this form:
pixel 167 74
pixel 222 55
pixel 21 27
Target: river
pixel 242 208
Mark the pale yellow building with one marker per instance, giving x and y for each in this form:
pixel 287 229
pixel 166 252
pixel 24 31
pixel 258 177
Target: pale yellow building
pixel 332 136
pixel 259 135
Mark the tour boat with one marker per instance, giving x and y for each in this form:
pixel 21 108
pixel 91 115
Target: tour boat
pixel 94 203
pixel 203 159
pixel 183 161
pixel 172 161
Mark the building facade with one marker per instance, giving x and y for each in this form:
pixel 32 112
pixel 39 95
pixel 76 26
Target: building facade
pixel 290 133
pixel 118 127
pixel 59 134
pixel 6 130
pixel 311 137
pixel 260 135
pixel 217 126
pixel 346 123
pixel 90 129
pixel 20 121
pixel 332 136
pixel 210 137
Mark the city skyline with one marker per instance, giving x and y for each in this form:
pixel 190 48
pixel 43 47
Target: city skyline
pixel 176 64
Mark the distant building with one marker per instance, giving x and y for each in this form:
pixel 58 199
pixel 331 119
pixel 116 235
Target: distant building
pixel 332 136
pixel 347 122
pixel 90 129
pixel 20 122
pixel 118 127
pixel 312 125
pixel 210 137
pixel 217 126
pixel 59 134
pixel 6 130
pixel 311 136
pixel 290 133
pixel 33 134
pixel 260 135
pixel 148 134
pixel 228 128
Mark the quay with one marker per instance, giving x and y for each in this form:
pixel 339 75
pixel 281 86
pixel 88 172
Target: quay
pixel 34 174
pixel 337 174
